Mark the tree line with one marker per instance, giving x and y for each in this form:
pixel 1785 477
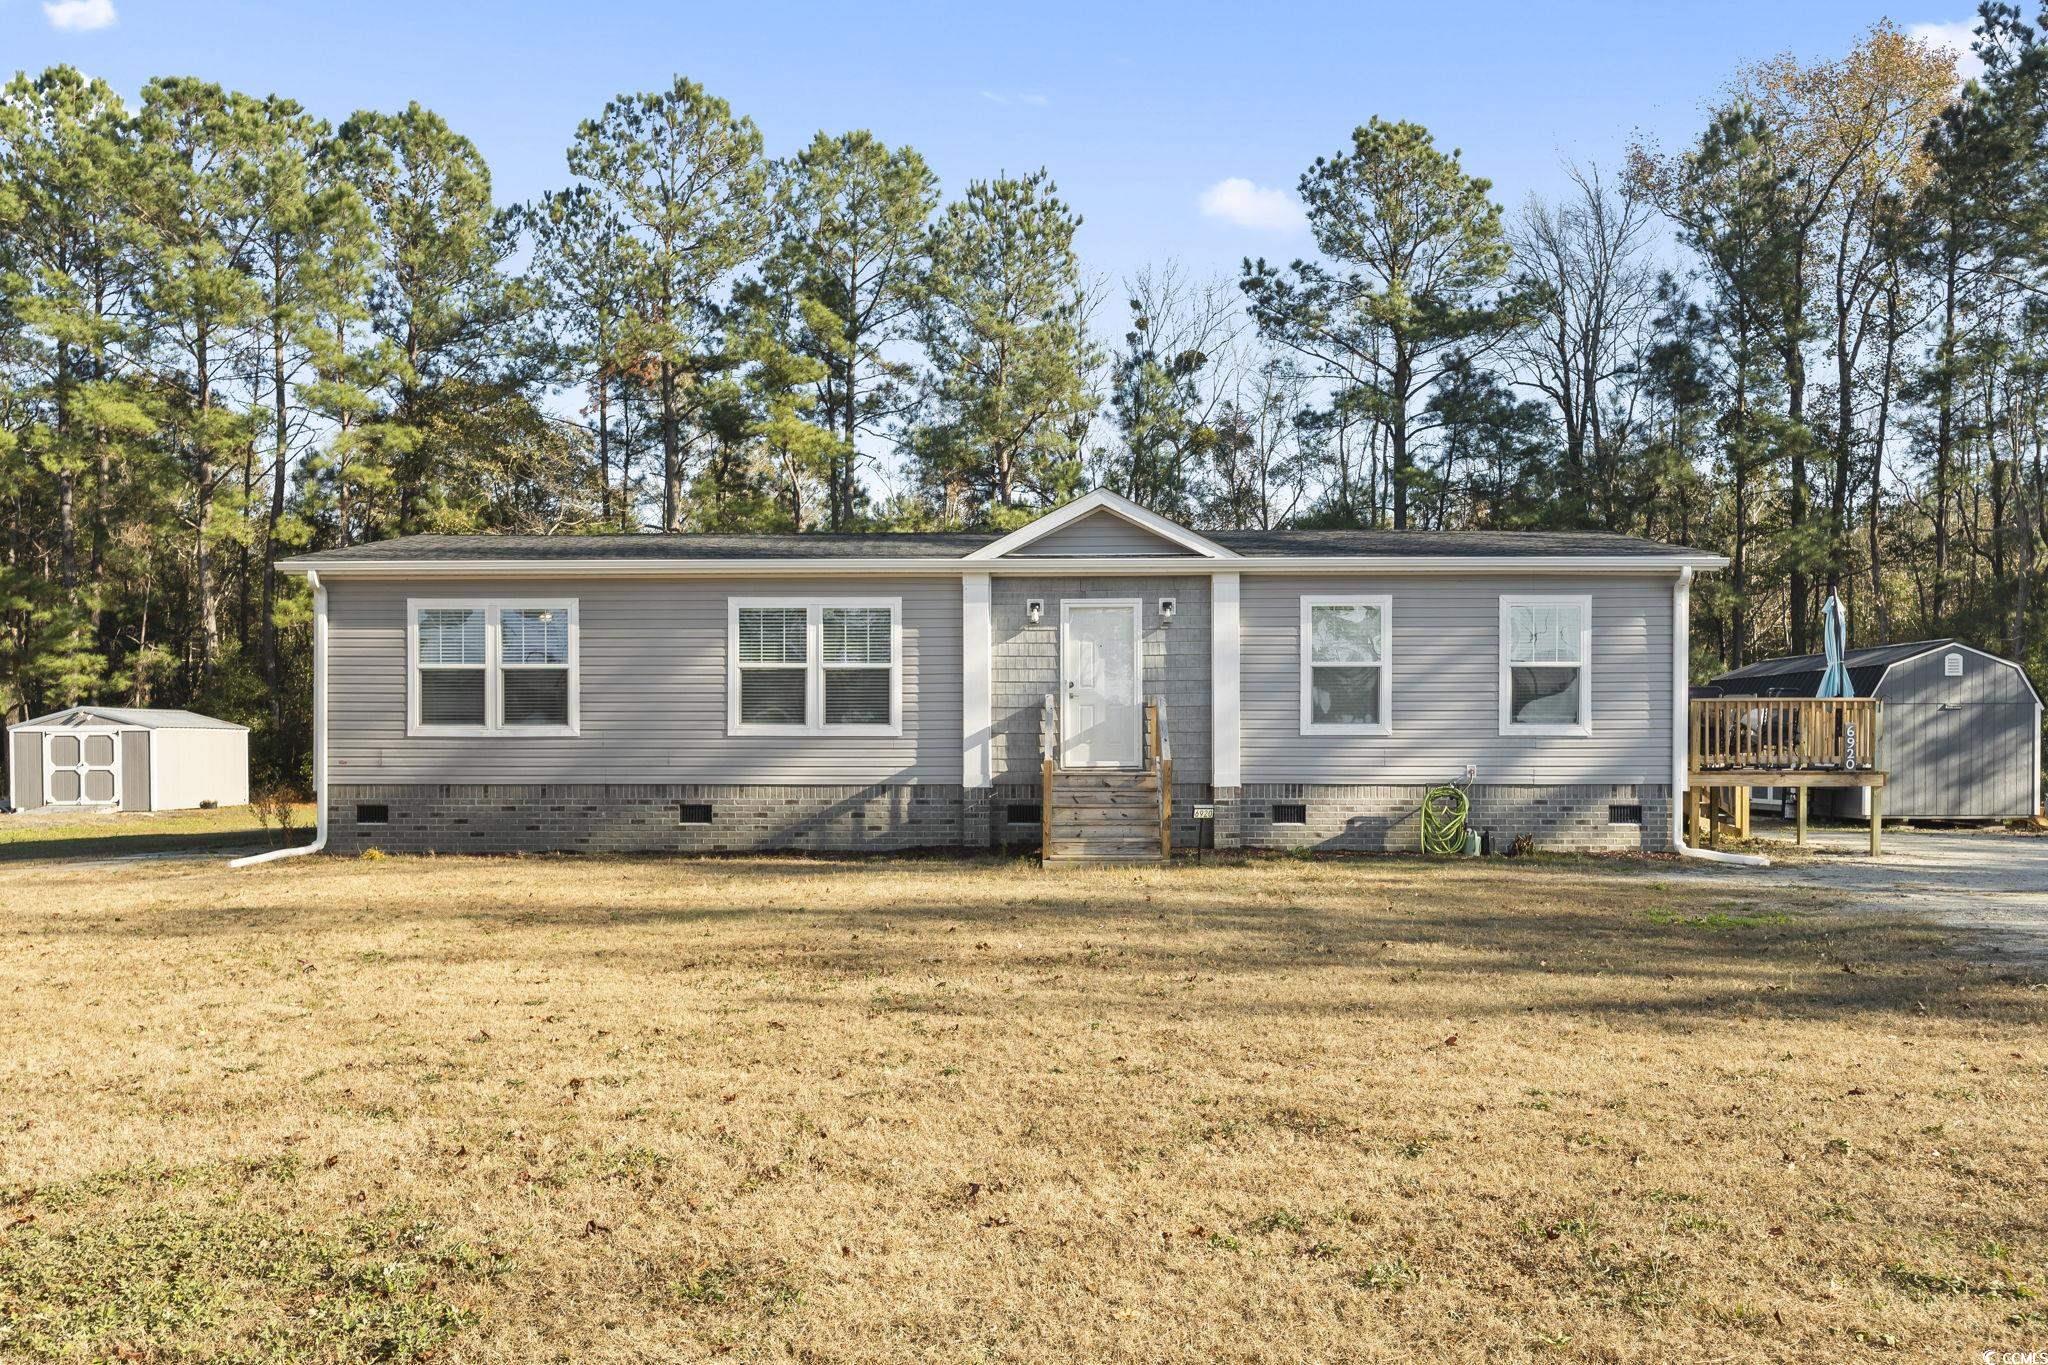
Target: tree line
pixel 1809 338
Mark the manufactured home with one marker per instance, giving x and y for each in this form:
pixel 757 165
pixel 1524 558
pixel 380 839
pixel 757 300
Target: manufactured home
pixel 1102 681
pixel 126 758
pixel 1962 727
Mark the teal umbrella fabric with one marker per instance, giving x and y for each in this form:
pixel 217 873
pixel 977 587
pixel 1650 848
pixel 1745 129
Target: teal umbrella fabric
pixel 1834 630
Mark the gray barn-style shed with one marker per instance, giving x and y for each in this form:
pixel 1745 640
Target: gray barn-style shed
pixel 126 758
pixel 1962 728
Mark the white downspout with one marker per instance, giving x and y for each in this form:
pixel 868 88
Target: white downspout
pixel 1681 728
pixel 319 737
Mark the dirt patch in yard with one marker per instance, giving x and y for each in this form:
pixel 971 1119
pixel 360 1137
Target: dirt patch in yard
pixel 518 1110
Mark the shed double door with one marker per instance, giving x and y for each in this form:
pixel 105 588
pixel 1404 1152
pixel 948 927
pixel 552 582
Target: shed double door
pixel 81 767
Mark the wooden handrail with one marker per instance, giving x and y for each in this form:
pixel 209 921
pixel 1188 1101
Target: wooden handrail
pixel 1160 761
pixel 1786 734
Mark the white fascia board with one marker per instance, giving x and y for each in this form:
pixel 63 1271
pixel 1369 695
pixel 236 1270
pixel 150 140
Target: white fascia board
pixel 1114 566
pixel 1102 500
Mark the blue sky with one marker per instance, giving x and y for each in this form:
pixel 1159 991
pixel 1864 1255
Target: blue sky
pixel 1141 112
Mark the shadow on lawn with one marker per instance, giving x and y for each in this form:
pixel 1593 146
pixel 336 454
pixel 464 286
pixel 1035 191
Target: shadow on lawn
pixel 1558 941
pixel 130 843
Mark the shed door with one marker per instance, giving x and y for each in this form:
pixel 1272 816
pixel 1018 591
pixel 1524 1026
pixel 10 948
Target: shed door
pixel 81 768
pixel 1101 719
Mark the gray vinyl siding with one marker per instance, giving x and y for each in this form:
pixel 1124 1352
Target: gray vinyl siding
pixel 1025 666
pixel 1984 679
pixel 25 755
pixel 652 690
pixel 1958 748
pixel 135 770
pixel 1446 685
pixel 1100 533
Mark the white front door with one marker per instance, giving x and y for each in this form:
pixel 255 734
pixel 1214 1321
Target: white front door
pixel 1101 719
pixel 81 767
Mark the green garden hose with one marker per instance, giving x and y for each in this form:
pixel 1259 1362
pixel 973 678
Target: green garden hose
pixel 1443 821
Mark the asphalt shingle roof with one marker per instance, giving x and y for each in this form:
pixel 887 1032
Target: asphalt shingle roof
pixel 959 544
pixel 1799 675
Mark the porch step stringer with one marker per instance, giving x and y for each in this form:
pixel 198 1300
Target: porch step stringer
pixel 1104 817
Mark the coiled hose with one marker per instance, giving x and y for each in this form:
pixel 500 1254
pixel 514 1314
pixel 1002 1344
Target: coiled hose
pixel 1443 821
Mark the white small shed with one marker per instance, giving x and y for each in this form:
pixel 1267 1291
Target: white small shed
pixel 125 758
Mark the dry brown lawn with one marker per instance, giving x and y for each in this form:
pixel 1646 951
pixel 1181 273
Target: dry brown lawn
pixel 592 1110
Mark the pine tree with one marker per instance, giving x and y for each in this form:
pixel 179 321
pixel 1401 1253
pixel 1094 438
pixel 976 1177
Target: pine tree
pixel 585 262
pixel 852 219
pixel 688 178
pixel 462 367
pixel 1414 258
pixel 1005 327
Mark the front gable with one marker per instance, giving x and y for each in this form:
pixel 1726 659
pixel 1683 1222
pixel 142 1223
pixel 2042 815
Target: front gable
pixel 1099 526
pixel 1100 533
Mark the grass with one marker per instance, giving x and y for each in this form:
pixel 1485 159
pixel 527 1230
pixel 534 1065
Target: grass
pixel 619 1110
pixel 122 834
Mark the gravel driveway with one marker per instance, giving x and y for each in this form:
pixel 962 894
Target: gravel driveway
pixel 1992 885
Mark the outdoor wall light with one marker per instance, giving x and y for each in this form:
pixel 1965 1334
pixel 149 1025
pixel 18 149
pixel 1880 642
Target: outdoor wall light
pixel 1035 609
pixel 1166 611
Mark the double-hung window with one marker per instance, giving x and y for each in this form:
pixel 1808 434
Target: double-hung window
pixel 1546 682
pixel 489 668
pixel 824 666
pixel 1347 665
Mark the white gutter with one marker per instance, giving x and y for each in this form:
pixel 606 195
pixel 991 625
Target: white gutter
pixel 319 736
pixel 1037 566
pixel 1681 729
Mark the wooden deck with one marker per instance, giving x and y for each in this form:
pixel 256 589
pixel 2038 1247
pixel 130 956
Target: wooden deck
pixel 1799 742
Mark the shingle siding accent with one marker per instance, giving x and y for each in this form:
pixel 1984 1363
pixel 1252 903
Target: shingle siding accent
pixel 1024 667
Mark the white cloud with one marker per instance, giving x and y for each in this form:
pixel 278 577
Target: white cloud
pixel 1956 37
pixel 82 15
pixel 1036 101
pixel 1240 202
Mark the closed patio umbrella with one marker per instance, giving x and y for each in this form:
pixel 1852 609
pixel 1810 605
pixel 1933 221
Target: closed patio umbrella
pixel 1834 630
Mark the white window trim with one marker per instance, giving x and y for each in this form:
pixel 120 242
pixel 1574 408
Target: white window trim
pixel 1584 727
pixel 493 667
pixel 815 667
pixel 1386 664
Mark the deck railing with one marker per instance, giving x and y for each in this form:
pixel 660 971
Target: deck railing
pixel 1786 734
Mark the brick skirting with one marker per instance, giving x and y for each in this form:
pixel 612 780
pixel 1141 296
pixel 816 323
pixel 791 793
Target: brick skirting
pixel 652 818
pixel 1388 819
pixel 644 818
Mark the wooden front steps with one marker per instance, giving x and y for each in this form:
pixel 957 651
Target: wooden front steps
pixel 1104 816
